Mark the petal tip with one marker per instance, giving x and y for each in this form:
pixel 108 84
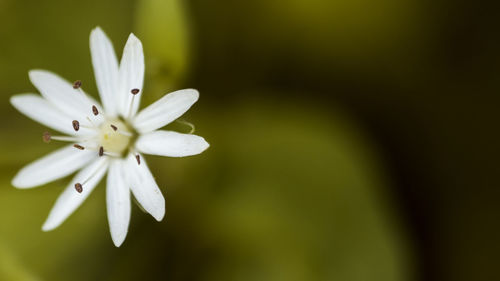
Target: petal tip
pixel 159 216
pixel 48 226
pixel 96 30
pixel 118 239
pixel 205 145
pixel 133 37
pixel 158 211
pixel 133 42
pixel 34 73
pixel 19 182
pixel 15 183
pixel 40 75
pixel 14 100
pixel 17 100
pixel 202 145
pixel 37 71
pixel 97 34
pixel 194 93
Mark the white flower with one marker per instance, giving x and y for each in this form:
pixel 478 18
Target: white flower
pixel 108 138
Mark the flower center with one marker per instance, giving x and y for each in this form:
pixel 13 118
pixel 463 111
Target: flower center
pixel 115 137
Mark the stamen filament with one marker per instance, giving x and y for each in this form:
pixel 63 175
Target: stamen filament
pixel 124 133
pixel 113 154
pixel 130 107
pixel 89 127
pixel 69 139
pixel 93 173
pixel 65 138
pixel 188 124
pixel 92 123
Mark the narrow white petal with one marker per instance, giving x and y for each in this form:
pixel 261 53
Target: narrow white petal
pixel 105 70
pixel 131 75
pixel 117 202
pixel 173 144
pixel 165 110
pixel 70 199
pixel 144 187
pixel 40 110
pixel 53 166
pixel 60 93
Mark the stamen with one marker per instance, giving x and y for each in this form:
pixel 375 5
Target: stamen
pixel 78 187
pixel 78 146
pixel 46 137
pixel 77 84
pixel 94 110
pixel 101 151
pixel 120 131
pixel 134 92
pixel 184 122
pixel 138 158
pixel 76 125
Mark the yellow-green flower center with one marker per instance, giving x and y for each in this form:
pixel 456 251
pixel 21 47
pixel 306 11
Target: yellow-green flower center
pixel 116 137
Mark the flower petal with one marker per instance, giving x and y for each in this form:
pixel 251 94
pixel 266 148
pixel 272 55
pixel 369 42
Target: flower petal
pixel 118 203
pixel 70 199
pixel 53 166
pixel 131 76
pixel 60 93
pixel 165 110
pixel 40 110
pixel 173 144
pixel 144 187
pixel 105 70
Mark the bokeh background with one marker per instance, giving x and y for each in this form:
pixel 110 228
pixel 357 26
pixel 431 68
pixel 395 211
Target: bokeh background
pixel 351 140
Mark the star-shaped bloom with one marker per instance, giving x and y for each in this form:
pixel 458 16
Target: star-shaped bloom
pixel 108 138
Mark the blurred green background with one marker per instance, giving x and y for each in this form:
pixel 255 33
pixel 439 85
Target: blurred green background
pixel 350 140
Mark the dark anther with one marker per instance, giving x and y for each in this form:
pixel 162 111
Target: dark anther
pixel 77 84
pixel 134 91
pixel 78 187
pixel 78 146
pixel 138 158
pixel 94 110
pixel 114 127
pixel 46 137
pixel 101 151
pixel 76 125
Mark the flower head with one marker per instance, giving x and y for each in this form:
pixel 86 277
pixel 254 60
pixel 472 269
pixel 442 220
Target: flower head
pixel 108 138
